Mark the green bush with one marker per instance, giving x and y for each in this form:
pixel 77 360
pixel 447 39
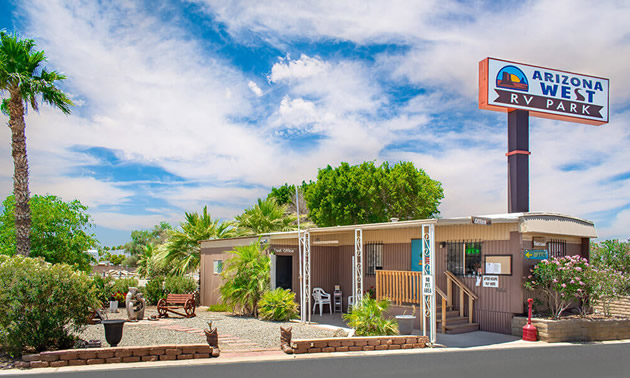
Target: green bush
pixel 154 290
pixel 103 287
pixel 122 285
pixel 180 285
pixel 221 307
pixel 367 318
pixel 278 305
pixel 42 304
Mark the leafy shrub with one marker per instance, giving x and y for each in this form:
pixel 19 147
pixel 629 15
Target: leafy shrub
pixel 154 290
pixel 611 254
pixel 180 285
pixel 246 278
pixel 221 307
pixel 278 305
pixel 103 287
pixel 367 318
pixel 608 285
pixel 42 304
pixel 122 285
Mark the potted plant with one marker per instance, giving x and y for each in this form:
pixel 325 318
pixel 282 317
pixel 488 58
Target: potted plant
pixel 405 322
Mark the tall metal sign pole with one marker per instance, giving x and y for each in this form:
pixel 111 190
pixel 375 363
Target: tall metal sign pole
pixel 518 161
pixel 522 90
pixel 428 281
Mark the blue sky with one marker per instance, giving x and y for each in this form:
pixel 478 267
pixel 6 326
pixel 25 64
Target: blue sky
pixel 182 104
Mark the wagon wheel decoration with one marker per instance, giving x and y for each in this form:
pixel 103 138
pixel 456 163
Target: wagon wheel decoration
pixel 161 308
pixel 189 307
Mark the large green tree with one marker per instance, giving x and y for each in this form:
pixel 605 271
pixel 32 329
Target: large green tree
pixel 60 230
pixel 367 193
pixel 25 80
pixel 183 251
pixel 266 216
pixel 140 239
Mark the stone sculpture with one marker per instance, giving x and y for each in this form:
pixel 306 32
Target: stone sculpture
pixel 135 304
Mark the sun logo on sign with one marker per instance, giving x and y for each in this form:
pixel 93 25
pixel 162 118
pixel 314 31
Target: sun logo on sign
pixel 511 77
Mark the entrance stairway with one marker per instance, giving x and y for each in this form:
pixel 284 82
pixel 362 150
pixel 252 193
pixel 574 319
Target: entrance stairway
pixel 455 323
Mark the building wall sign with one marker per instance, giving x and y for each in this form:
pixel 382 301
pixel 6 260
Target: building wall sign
pixel 481 221
pixel 536 254
pixel 283 249
pixel 544 92
pixel 490 281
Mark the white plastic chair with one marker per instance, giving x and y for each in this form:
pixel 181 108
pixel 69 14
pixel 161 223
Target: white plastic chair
pixel 321 298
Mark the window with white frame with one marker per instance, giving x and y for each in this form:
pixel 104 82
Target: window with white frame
pixel 373 258
pixel 218 266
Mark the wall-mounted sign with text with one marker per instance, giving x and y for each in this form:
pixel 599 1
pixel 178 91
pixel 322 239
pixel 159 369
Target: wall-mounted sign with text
pixel 536 254
pixel 283 249
pixel 490 281
pixel 544 92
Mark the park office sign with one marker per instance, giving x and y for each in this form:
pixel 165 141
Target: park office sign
pixel 544 92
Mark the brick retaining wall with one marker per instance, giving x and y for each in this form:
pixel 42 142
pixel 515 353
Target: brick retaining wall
pixel 95 356
pixel 619 307
pixel 350 344
pixel 553 331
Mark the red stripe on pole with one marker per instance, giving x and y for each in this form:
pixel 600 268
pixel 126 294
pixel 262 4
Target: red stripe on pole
pixel 517 152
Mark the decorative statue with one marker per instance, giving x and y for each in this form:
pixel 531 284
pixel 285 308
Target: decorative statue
pixel 140 306
pixel 135 304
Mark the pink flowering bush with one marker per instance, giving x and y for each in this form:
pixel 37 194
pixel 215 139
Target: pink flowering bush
pixel 563 281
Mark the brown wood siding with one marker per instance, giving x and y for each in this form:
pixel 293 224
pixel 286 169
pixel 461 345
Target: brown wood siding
pixel 392 235
pixel 499 231
pixel 324 268
pixel 210 282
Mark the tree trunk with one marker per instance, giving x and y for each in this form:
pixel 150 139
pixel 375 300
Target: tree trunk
pixel 20 173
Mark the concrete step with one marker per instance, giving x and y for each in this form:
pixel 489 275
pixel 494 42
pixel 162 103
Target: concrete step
pixel 460 328
pixel 453 320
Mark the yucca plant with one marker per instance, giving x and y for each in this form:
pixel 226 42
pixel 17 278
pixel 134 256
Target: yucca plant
pixel 367 318
pixel 278 305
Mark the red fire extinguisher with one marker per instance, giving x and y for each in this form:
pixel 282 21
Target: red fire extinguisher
pixel 529 331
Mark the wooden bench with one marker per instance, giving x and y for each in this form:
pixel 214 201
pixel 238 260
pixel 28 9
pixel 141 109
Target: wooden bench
pixel 175 302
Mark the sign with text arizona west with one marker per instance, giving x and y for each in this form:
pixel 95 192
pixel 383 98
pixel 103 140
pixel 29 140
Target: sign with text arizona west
pixel 544 92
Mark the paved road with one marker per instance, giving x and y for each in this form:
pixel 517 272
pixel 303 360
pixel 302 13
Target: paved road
pixel 591 360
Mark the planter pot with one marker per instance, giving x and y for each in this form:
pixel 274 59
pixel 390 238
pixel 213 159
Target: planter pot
pixel 405 324
pixel 113 306
pixel 113 331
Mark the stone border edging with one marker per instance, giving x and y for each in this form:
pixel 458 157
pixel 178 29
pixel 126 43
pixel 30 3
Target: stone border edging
pixel 349 344
pixel 553 331
pixel 95 356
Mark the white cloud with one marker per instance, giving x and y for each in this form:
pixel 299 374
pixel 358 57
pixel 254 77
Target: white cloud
pixel 158 96
pixel 255 88
pixel 289 70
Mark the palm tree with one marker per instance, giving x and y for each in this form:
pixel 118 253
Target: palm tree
pixel 182 248
pixel 246 278
pixel 25 80
pixel 266 216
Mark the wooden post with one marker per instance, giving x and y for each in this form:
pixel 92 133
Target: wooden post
pixel 443 315
pixel 461 302
pixel 470 309
pixel 449 292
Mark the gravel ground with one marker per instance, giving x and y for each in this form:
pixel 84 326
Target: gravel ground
pixel 235 332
